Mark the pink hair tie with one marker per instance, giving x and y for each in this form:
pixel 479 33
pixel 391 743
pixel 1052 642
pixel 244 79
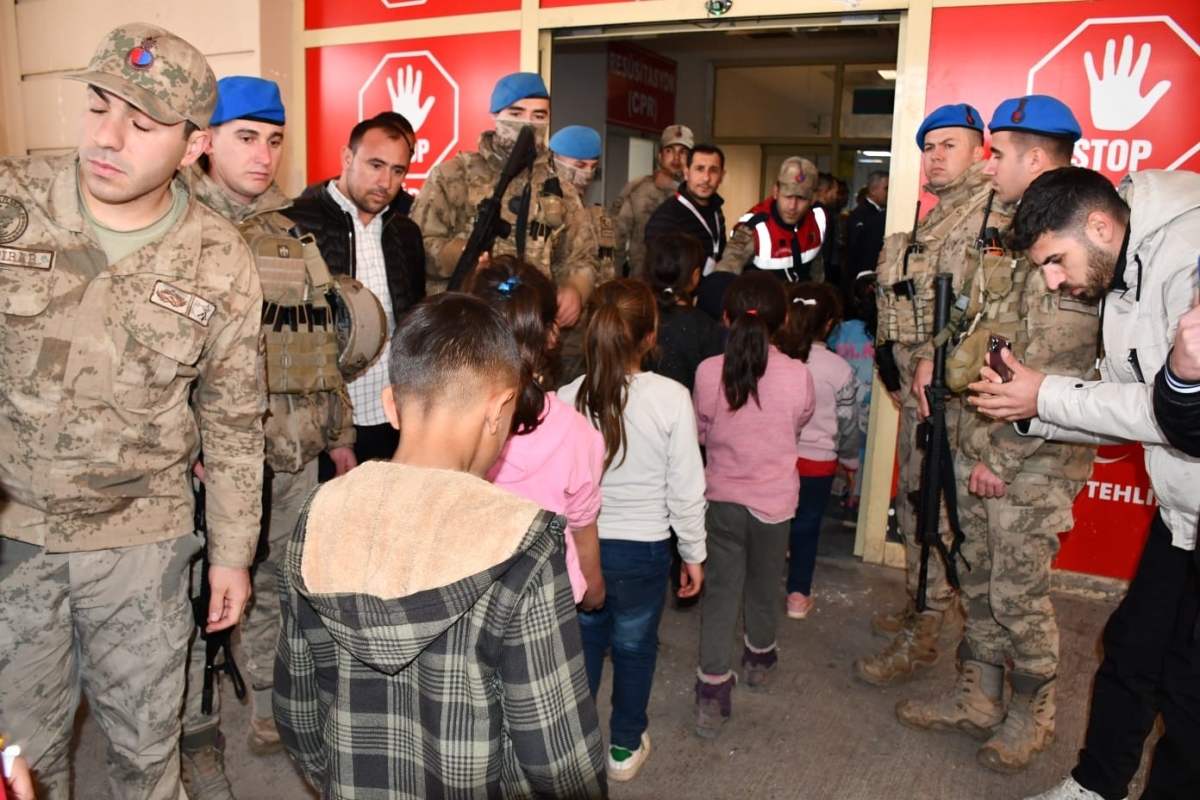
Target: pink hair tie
pixel 753 312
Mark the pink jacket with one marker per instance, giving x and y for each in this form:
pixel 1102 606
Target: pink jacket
pixel 752 451
pixel 833 432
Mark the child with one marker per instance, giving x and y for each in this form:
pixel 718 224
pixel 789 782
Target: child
pixel 653 481
pixel 854 340
pixel 830 438
pixel 429 646
pixel 686 335
pixel 751 404
pixel 554 457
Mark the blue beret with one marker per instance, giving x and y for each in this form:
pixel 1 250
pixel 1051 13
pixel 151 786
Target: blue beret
pixel 1036 113
pixel 517 86
pixel 576 141
pixel 243 97
pixel 956 116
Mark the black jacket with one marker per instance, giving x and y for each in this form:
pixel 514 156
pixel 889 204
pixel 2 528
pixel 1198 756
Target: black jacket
pixel 403 249
pixel 864 239
pixel 1177 413
pixel 674 217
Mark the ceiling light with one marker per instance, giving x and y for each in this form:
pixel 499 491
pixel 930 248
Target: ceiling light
pixel 877 153
pixel 887 74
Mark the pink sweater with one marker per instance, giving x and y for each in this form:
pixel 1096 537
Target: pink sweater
pixel 752 451
pixel 558 466
pixel 833 432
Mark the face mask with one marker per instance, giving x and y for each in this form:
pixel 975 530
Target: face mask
pixel 507 131
pixel 581 179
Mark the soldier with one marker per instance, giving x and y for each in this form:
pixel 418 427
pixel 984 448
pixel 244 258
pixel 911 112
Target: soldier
pixel 360 235
pixel 951 142
pixel 1137 249
pixel 641 196
pixel 782 234
pixel 1015 494
pixel 559 239
pixel 129 340
pixel 696 208
pixel 303 419
pixel 575 151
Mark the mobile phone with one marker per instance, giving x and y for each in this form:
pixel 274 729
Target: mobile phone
pixel 994 360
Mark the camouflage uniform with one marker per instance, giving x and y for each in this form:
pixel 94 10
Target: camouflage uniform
pixel 631 211
pixel 571 345
pixel 297 428
pixel 948 233
pixel 560 241
pixel 110 377
pixel 1010 541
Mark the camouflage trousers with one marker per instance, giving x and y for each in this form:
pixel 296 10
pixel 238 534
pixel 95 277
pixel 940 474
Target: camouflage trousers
pixel 1010 543
pixel 111 623
pixel 259 629
pixel 938 594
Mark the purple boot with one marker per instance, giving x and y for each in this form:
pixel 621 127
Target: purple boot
pixel 759 665
pixel 713 703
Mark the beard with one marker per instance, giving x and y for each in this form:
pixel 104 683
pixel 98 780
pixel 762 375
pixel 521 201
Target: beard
pixel 1100 269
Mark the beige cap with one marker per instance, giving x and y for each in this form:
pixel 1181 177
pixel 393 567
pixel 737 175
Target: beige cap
pixel 156 72
pixel 797 178
pixel 677 134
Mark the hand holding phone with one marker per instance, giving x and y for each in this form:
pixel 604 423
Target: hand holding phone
pixel 995 360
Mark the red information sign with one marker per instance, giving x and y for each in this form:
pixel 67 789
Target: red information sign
pixel 337 13
pixel 1128 78
pixel 441 85
pixel 641 88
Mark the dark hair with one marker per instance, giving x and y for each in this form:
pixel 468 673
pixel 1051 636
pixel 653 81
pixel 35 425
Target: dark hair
pixel 1059 201
pixel 400 122
pixel 825 181
pixel 755 306
pixel 671 259
pixel 813 309
pixel 448 348
pixel 528 300
pixel 623 315
pixel 189 128
pixel 387 126
pixel 1058 148
pixel 862 301
pixel 706 148
pixel 875 177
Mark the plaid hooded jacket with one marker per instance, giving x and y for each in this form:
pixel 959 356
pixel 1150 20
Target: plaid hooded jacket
pixel 429 644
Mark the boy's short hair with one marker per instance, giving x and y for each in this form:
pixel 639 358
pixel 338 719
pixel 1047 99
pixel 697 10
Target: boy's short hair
pixel 448 349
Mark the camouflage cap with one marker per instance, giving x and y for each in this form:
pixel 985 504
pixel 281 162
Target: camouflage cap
pixel 677 134
pixel 797 178
pixel 156 72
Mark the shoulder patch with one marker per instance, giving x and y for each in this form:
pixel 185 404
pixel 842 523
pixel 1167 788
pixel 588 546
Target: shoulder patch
pixel 14 219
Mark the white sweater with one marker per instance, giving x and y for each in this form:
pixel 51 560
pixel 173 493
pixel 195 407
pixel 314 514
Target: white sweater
pixel 659 484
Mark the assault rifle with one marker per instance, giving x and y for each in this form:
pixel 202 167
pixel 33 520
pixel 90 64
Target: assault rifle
pixel 218 643
pixel 937 470
pixel 489 223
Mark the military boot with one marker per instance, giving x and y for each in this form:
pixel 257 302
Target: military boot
pixel 202 766
pixel 890 623
pixel 1027 730
pixel 974 706
pixel 913 649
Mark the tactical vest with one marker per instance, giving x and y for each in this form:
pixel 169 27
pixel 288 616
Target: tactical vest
pixel 989 305
pixel 297 321
pixel 606 238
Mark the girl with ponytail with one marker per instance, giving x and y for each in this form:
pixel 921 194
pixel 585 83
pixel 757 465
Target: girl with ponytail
pixel 829 440
pixel 554 457
pixel 653 482
pixel 751 404
pixel 686 335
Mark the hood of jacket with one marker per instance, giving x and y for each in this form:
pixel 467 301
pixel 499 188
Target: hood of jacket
pixel 1156 199
pixel 394 555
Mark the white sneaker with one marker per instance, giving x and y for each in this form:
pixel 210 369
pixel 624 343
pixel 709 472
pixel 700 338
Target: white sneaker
pixel 1069 789
pixel 624 764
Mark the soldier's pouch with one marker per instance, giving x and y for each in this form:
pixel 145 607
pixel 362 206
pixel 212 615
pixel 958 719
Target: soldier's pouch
pixel 551 214
pixel 1035 503
pixel 964 362
pixel 25 294
pixel 164 328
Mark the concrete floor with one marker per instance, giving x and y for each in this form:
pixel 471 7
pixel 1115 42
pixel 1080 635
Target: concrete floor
pixel 816 732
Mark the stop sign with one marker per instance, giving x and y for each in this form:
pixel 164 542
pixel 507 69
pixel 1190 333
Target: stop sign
pixel 416 85
pixel 1126 79
pixel 403 3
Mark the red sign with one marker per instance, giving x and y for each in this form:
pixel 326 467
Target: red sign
pixel 337 13
pixel 566 3
pixel 1129 79
pixel 1112 516
pixel 641 88
pixel 443 86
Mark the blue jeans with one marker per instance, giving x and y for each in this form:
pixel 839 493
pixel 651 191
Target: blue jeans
pixel 635 579
pixel 806 529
